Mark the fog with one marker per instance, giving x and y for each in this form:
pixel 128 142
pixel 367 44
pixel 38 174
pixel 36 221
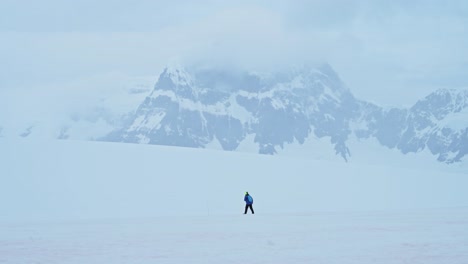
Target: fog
pixel 388 53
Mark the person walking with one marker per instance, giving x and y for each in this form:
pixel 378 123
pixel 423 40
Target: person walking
pixel 248 202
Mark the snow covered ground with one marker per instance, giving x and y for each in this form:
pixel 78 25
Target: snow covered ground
pixel 93 202
pixel 422 236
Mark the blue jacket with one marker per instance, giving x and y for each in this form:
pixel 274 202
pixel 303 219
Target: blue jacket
pixel 248 199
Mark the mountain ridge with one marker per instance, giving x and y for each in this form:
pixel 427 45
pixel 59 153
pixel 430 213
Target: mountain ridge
pixel 192 109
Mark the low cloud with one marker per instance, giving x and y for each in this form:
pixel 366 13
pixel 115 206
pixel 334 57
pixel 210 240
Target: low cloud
pixel 381 49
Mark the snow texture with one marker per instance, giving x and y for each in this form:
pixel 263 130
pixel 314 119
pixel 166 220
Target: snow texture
pixel 419 237
pixel 94 202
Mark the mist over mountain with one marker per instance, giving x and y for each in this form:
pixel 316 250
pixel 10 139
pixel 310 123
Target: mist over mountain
pixel 300 110
pixel 213 108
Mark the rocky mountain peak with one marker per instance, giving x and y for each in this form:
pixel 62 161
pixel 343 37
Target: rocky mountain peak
pixel 268 111
pixel 175 79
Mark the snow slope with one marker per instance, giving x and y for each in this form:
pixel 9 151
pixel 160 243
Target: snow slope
pixel 69 179
pixel 94 202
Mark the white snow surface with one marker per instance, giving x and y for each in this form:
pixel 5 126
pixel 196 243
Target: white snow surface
pixel 457 121
pixel 94 202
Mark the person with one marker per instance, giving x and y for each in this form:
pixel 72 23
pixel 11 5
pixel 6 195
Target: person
pixel 248 202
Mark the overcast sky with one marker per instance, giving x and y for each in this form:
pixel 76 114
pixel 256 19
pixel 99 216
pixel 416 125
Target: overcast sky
pixel 389 52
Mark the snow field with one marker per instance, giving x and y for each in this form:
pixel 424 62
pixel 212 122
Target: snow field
pixel 94 202
pixel 424 236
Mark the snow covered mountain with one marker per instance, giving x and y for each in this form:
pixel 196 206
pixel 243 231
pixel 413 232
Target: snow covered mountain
pixel 198 108
pixel 438 122
pixel 230 109
pixel 87 110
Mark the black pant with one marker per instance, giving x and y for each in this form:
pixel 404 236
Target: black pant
pixel 248 206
